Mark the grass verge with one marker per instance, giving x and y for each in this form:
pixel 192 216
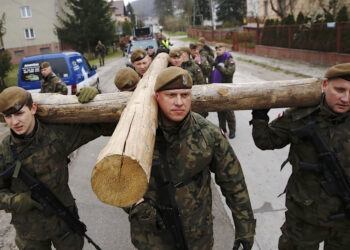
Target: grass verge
pixel 189 39
pixel 272 67
pixel 177 33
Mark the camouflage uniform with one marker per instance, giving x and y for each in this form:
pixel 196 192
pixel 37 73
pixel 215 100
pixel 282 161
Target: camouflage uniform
pixel 194 149
pixel 53 84
pixel 197 76
pixel 207 64
pixel 48 149
pixel 227 74
pixel 309 206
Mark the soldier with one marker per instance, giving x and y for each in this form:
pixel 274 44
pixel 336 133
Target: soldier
pixel 175 58
pixel 209 61
pixel 42 150
pixel 223 73
pixel 126 79
pixel 201 61
pixel 187 149
pixel 101 51
pixel 140 61
pixel 122 47
pixel 206 47
pixel 194 70
pixel 150 51
pixel 50 82
pixel 314 214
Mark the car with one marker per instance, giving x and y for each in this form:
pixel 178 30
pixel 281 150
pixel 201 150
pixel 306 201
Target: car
pixel 72 67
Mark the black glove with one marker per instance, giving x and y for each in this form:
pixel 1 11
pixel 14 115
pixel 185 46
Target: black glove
pixel 247 243
pixel 261 114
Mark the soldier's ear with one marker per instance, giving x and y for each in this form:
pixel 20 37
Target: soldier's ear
pixel 34 108
pixel 324 85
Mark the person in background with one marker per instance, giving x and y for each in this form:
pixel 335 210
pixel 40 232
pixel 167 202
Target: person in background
pixel 140 61
pixel 50 82
pixel 223 73
pixel 126 79
pixel 175 58
pixel 101 51
pixel 150 52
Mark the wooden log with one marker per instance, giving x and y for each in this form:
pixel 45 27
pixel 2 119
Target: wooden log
pixel 121 174
pixel 212 97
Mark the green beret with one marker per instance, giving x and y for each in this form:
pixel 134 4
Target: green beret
pixel 220 45
pixel 173 78
pixel 175 53
pixel 138 55
pixel 201 40
pixel 44 65
pixel 186 50
pixel 126 78
pixel 339 70
pixel 193 46
pixel 12 99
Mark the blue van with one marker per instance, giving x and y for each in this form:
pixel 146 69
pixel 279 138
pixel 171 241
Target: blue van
pixel 72 67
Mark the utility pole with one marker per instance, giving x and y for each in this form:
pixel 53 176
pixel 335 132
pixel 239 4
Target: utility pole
pixel 194 13
pixel 212 8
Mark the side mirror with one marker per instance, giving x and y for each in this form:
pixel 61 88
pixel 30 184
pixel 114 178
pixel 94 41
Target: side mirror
pixel 93 67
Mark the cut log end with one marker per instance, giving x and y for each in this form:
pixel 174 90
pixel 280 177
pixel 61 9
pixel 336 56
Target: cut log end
pixel 119 181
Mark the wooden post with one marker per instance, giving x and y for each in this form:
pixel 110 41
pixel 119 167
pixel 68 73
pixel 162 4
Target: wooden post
pixel 121 174
pixel 212 97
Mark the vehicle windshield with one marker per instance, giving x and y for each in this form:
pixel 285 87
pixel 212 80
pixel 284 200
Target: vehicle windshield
pixel 31 70
pixel 142 44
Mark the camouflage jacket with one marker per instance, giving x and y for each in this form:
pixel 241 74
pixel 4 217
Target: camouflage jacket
pixel 101 49
pixel 204 64
pixel 195 72
pixel 305 197
pixel 53 84
pixel 49 148
pixel 208 55
pixel 228 70
pixel 194 149
pixel 210 51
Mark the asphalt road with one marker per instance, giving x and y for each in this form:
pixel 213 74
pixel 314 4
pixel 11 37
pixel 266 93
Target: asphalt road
pixel 109 226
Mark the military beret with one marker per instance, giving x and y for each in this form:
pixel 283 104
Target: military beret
pixel 201 40
pixel 339 70
pixel 193 46
pixel 149 47
pixel 199 44
pixel 173 78
pixel 219 45
pixel 12 99
pixel 44 65
pixel 126 78
pixel 186 50
pixel 175 53
pixel 138 55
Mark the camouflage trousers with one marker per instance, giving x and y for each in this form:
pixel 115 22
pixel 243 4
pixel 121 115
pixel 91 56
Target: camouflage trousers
pixel 71 242
pixel 229 117
pixel 299 235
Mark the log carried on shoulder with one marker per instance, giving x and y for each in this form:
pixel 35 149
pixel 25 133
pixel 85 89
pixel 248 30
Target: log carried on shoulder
pixel 212 97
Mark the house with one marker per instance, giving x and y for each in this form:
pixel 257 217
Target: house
pixel 30 27
pixel 118 11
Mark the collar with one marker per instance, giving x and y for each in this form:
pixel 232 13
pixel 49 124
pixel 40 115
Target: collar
pixel 330 115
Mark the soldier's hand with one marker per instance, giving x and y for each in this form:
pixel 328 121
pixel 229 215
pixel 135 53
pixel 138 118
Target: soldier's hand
pixel 23 202
pixel 246 243
pixel 261 114
pixel 86 94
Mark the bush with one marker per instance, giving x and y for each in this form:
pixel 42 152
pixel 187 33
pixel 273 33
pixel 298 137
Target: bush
pixel 342 15
pixel 300 18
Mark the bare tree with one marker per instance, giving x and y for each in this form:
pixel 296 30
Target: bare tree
pixel 283 7
pixel 330 7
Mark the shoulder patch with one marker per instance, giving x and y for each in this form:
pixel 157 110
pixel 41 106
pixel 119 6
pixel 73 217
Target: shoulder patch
pixel 198 70
pixel 280 115
pixel 232 62
pixel 223 133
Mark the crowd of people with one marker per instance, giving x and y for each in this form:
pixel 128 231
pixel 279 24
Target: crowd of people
pixel 188 149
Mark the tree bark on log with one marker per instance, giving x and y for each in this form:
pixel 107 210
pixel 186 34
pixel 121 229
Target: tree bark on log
pixel 121 174
pixel 213 97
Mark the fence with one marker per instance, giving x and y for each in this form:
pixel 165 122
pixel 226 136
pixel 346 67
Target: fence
pixel 326 37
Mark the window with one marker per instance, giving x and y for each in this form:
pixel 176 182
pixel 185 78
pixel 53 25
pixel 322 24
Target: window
pixel 29 33
pixel 25 12
pixel 44 50
pixel 19 52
